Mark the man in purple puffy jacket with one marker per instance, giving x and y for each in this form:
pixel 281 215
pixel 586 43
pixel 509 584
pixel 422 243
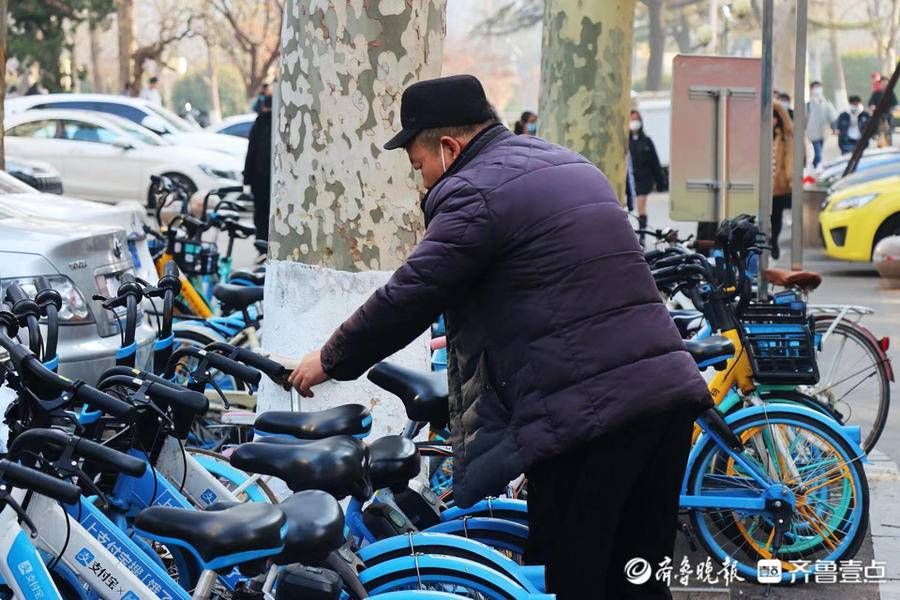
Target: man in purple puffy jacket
pixel 563 363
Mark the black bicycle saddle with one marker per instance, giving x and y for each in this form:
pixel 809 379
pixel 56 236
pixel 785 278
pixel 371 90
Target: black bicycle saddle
pixel 424 394
pixel 338 465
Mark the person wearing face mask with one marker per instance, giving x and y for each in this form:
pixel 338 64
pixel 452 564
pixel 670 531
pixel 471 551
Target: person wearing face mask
pixel 645 165
pixel 531 260
pixel 820 114
pixel 850 124
pixel 886 126
pixel 527 124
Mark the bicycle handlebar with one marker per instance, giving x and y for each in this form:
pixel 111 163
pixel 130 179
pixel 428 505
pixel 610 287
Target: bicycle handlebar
pixel 164 393
pixel 216 361
pixel 273 370
pixel 45 383
pixel 26 478
pixel 37 439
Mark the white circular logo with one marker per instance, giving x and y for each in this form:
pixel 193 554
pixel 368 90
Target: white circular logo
pixel 637 571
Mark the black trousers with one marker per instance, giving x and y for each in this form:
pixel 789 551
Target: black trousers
pixel 594 508
pixel 261 211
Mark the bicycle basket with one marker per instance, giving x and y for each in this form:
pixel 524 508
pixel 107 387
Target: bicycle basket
pixel 196 258
pixel 780 344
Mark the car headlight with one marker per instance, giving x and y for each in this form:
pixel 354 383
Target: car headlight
pixel 220 173
pixel 74 309
pixel 853 202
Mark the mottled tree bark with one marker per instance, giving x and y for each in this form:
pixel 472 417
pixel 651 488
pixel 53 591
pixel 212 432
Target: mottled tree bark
pixel 655 10
pixel 3 16
pixel 345 212
pixel 586 80
pixel 125 18
pixel 840 81
pixel 340 201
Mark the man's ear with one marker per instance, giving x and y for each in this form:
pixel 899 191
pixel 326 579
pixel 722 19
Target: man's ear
pixel 451 145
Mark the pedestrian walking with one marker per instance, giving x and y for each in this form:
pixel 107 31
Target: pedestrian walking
pixel 531 259
pixel 820 115
pixel 151 92
pixel 785 100
pixel 264 90
pixel 527 124
pixel 850 125
pixel 886 124
pixel 258 167
pixel 645 166
pixel 782 156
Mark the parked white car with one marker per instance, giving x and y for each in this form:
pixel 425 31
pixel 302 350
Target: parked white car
pixel 106 158
pixel 18 200
pixel 236 125
pixel 139 111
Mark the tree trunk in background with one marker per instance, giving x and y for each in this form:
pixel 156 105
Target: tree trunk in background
pixel 655 10
pixel 893 28
pixel 585 81
pixel 212 80
pixel 94 34
pixel 783 50
pixel 125 17
pixel 713 46
pixel 3 14
pixel 840 81
pixel 345 213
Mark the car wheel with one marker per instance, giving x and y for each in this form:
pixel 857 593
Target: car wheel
pixel 890 227
pixel 178 178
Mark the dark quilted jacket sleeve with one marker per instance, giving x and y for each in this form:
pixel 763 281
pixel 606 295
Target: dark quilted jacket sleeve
pixel 457 245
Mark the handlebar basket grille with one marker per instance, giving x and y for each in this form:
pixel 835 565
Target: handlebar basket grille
pixel 780 343
pixel 196 258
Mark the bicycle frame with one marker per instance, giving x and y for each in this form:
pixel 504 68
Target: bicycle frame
pixel 23 571
pixel 84 547
pixel 195 301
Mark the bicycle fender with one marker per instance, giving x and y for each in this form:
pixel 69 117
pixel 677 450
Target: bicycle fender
pixel 197 327
pixel 882 355
pixel 848 433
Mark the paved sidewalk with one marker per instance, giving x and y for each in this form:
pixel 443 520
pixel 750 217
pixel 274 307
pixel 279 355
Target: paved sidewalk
pixel 843 283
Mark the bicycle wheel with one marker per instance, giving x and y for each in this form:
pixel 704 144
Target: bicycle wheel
pixel 854 380
pixel 827 481
pixel 441 574
pixel 231 478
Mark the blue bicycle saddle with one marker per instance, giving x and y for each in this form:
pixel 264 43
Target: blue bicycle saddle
pixel 218 538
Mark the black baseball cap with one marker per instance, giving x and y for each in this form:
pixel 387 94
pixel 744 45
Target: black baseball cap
pixel 443 102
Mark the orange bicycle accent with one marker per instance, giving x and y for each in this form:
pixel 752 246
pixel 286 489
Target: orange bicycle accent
pixel 189 293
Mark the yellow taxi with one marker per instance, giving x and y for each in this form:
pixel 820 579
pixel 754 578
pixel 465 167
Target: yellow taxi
pixel 858 217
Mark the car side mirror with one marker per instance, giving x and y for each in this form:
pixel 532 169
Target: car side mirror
pixel 123 144
pixel 154 124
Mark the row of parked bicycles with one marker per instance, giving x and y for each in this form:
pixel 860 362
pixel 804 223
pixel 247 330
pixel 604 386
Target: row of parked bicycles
pixel 131 488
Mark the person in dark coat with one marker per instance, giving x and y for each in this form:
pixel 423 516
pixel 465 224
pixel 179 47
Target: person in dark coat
pixel 645 164
pixel 258 167
pixel 850 125
pixel 563 362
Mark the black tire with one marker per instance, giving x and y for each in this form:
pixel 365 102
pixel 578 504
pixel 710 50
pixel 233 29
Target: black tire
pixel 184 180
pixel 877 371
pixel 891 226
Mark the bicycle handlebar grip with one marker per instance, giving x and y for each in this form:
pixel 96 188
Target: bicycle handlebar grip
pixel 171 269
pixel 190 400
pixel 23 477
pixel 118 461
pixel 15 293
pixel 104 402
pixel 273 370
pixel 233 368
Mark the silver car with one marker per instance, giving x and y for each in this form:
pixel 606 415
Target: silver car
pixel 78 261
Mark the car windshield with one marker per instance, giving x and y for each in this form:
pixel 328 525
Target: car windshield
pixel 11 185
pixel 139 133
pixel 177 123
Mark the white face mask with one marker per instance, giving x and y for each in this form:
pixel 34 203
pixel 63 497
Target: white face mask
pixel 635 125
pixel 443 164
pixel 817 92
pixel 855 108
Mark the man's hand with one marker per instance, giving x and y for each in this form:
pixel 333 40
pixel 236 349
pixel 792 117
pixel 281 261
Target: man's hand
pixel 308 373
